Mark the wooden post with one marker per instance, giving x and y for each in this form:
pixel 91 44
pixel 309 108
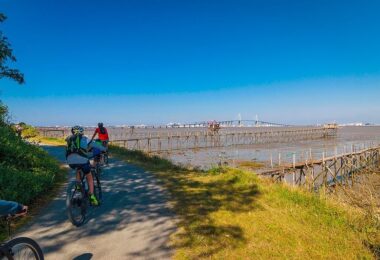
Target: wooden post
pixel 324 172
pixel 294 160
pixel 271 160
pixel 294 178
pixel 306 157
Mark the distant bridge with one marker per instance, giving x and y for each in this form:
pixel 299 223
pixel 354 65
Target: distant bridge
pixel 227 123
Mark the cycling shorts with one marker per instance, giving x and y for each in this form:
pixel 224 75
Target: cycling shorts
pixel 103 142
pixel 86 168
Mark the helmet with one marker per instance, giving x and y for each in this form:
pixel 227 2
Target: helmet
pixel 100 124
pixel 77 130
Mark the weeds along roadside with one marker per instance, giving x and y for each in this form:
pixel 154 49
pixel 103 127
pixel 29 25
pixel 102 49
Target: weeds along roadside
pixel 226 212
pixel 364 198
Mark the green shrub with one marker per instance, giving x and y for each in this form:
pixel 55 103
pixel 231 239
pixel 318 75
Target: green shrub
pixel 26 171
pixel 29 131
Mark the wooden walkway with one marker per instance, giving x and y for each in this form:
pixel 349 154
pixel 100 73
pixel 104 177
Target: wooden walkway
pixel 328 172
pixel 203 139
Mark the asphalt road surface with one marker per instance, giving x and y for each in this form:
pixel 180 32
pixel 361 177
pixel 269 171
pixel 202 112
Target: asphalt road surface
pixel 134 221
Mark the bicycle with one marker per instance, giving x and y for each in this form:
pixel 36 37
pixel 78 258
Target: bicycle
pixel 78 199
pixel 105 157
pixel 102 158
pixel 19 248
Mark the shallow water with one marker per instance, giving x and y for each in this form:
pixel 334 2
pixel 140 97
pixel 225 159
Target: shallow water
pixel 348 139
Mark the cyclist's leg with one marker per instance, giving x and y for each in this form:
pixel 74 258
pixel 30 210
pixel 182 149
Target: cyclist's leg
pixel 86 168
pixel 105 144
pixel 78 174
pixel 77 168
pixel 90 182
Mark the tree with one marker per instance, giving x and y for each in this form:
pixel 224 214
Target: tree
pixel 6 57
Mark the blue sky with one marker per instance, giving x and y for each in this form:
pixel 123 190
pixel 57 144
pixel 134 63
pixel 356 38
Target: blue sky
pixel 183 61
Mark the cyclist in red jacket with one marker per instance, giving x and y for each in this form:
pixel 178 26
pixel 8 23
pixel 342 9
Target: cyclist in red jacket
pixel 102 133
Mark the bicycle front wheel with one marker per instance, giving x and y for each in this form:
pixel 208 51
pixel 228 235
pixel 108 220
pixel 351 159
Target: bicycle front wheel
pixel 76 203
pixel 23 248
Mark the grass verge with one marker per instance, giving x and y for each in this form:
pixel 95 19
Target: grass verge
pixel 232 214
pixel 48 140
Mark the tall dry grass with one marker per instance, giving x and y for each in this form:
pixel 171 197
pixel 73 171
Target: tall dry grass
pixel 364 198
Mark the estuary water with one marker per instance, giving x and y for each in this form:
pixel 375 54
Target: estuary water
pixel 348 139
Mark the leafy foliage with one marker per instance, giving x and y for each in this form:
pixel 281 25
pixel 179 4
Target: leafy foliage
pixel 28 131
pixel 6 57
pixel 26 171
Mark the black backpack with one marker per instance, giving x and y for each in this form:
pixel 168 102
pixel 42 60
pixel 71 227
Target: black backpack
pixel 73 146
pixel 102 130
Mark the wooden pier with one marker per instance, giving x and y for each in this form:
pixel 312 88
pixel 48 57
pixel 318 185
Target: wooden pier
pixel 170 141
pixel 329 172
pixel 55 132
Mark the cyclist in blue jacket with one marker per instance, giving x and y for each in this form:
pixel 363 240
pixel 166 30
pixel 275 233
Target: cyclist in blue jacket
pixel 78 158
pixel 12 208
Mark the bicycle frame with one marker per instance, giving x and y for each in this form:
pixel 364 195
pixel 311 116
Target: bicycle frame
pixel 83 179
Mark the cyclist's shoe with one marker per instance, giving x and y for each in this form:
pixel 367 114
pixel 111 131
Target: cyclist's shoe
pixel 78 187
pixel 93 200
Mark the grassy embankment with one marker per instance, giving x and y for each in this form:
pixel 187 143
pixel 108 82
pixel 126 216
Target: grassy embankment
pixel 232 214
pixel 49 140
pixel 27 173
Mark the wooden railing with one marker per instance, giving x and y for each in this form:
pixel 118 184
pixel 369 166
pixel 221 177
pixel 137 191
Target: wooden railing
pixel 327 172
pixel 195 140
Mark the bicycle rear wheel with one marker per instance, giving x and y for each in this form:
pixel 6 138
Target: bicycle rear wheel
pixel 105 158
pixel 98 168
pixel 76 204
pixel 24 248
pixel 97 187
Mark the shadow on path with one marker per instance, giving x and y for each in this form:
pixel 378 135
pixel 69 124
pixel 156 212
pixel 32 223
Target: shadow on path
pixel 133 221
pixel 200 196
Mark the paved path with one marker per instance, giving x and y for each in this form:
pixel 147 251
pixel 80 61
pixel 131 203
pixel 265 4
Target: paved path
pixel 134 221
